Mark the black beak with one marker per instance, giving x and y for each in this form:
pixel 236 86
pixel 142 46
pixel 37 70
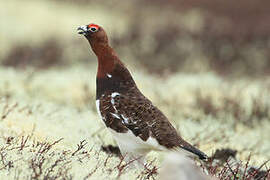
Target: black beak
pixel 82 30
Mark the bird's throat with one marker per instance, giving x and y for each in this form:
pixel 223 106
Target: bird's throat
pixel 105 66
pixel 107 59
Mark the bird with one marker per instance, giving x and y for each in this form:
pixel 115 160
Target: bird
pixel 136 124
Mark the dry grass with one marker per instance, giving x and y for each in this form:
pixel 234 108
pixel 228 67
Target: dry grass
pixel 60 109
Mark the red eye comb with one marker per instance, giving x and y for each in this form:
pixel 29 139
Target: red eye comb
pixel 93 25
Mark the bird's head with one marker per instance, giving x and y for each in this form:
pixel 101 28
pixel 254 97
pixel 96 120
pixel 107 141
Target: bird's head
pixel 93 33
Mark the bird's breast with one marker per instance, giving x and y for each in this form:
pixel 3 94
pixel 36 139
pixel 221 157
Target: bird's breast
pixel 107 107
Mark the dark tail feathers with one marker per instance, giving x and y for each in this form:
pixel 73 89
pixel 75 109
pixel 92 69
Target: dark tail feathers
pixel 195 151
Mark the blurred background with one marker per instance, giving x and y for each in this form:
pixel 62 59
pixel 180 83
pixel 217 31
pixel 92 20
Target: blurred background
pixel 205 64
pixel 229 39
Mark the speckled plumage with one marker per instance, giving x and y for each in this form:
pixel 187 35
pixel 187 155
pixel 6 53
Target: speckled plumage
pixel 137 125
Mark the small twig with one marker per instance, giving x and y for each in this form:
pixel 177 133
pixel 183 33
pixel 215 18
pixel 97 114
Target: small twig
pixel 92 172
pixel 246 166
pixel 8 110
pixel 150 172
pixel 106 160
pixel 257 170
pixel 229 166
pixel 80 146
pixel 45 147
pixel 23 142
pixel 121 167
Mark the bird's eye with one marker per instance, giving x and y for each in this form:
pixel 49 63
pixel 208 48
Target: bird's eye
pixel 93 29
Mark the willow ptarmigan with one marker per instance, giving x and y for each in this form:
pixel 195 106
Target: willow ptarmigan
pixel 136 124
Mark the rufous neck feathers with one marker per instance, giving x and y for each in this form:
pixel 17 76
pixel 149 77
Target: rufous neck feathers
pixel 107 59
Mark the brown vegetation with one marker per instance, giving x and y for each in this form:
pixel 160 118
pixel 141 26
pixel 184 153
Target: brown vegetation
pixel 232 105
pixel 230 38
pixel 46 55
pixel 232 168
